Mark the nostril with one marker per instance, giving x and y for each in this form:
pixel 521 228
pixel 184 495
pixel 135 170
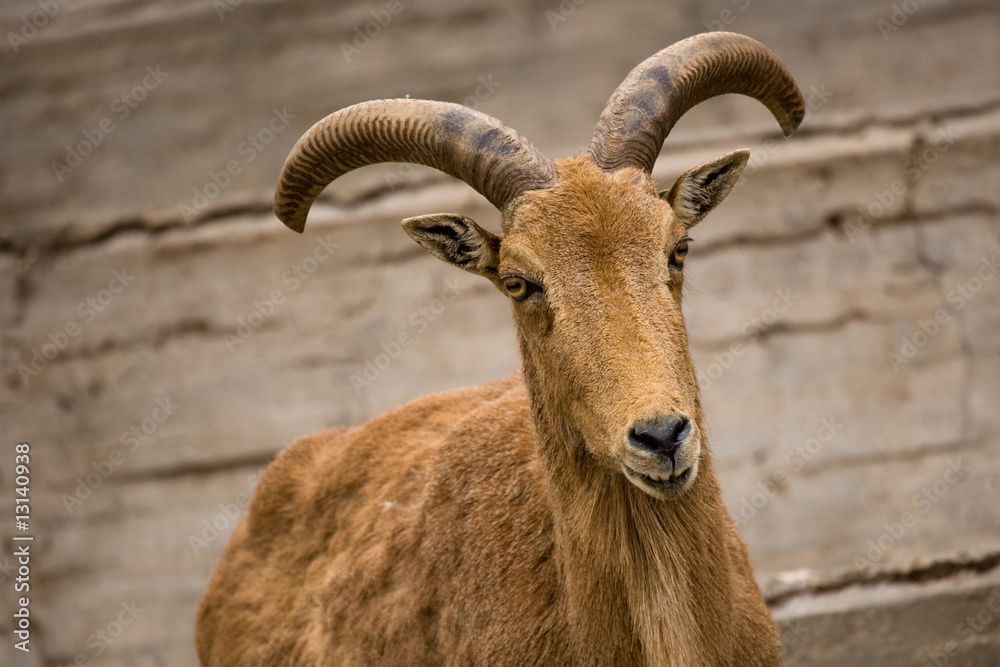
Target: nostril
pixel 663 435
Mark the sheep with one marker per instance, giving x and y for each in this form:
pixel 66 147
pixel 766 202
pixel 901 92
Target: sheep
pixel 569 514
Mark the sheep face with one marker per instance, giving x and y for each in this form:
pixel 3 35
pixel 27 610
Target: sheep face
pixel 600 320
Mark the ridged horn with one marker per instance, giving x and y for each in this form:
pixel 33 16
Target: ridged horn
pixel 478 149
pixel 661 89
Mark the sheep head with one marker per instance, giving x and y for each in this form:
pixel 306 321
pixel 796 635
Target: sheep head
pixel 590 255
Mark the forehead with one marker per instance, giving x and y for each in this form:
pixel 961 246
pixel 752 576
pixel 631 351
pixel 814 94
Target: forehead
pixel 589 214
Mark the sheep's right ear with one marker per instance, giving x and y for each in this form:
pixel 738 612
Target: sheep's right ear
pixel 457 240
pixel 701 189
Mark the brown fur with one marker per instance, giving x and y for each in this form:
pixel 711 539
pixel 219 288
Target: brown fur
pixel 494 525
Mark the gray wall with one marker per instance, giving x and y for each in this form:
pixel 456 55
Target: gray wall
pixel 850 363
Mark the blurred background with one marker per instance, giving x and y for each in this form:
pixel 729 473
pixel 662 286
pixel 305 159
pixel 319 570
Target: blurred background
pixel 162 335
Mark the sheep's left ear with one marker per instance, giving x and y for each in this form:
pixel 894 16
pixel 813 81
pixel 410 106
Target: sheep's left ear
pixel 703 188
pixel 457 240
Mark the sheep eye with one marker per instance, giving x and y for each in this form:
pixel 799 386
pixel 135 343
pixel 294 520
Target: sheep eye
pixel 680 252
pixel 518 288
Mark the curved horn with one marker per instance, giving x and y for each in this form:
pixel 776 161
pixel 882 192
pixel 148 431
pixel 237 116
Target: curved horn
pixel 480 150
pixel 644 108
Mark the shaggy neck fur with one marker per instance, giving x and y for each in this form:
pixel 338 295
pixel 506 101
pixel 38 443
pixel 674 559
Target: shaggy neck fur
pixel 648 581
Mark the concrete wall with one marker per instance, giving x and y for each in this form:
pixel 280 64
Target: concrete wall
pixel 843 304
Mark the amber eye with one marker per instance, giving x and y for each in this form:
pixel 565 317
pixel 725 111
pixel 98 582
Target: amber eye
pixel 516 286
pixel 519 288
pixel 680 252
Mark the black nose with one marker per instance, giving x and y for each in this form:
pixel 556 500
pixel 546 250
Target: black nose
pixel 661 435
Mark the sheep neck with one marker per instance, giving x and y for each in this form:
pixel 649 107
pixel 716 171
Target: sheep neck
pixel 644 578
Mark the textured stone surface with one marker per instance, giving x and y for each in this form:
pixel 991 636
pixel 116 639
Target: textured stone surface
pixel 949 620
pixel 843 303
pixel 956 163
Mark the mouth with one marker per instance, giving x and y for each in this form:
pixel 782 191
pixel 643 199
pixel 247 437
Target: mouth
pixel 663 486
